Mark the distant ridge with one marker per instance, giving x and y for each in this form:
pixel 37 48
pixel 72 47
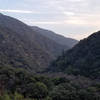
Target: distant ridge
pixel 68 42
pixel 23 47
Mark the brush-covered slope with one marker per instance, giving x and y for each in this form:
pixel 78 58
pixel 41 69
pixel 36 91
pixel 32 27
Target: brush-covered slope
pixel 21 46
pixel 17 51
pixel 67 42
pixel 83 59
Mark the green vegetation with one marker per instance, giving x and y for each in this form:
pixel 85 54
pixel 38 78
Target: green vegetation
pixel 24 57
pixel 83 59
pixel 18 84
pixel 24 47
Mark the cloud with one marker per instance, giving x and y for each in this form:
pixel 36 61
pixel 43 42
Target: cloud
pixel 17 11
pixel 62 16
pixel 68 13
pixel 76 0
pixel 46 22
pixel 79 36
pixel 32 22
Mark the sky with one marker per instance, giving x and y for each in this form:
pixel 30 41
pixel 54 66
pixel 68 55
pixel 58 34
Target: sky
pixel 72 18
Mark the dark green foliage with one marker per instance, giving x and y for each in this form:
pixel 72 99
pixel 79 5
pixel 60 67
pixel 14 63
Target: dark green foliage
pixel 18 80
pixel 83 59
pixel 18 83
pixel 5 97
pixel 38 90
pixel 67 91
pixel 63 92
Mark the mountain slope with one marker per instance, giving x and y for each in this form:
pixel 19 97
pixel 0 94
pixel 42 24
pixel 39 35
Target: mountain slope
pixel 24 29
pixel 83 59
pixel 17 51
pixel 21 46
pixel 68 42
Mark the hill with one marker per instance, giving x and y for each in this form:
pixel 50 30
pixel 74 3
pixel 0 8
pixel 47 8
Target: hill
pixel 82 59
pixel 21 46
pixel 67 42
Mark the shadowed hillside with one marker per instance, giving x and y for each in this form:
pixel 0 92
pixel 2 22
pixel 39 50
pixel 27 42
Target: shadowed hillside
pixel 83 59
pixel 21 46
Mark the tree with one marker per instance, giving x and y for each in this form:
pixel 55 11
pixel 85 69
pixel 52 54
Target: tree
pixel 37 90
pixel 18 96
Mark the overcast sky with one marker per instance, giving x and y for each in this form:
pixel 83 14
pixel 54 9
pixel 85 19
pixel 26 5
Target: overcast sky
pixel 71 18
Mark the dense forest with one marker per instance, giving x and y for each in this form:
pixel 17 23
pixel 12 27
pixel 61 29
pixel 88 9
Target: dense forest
pixel 18 84
pixel 83 59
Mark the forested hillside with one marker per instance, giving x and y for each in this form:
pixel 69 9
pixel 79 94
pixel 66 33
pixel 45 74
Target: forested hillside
pixel 23 47
pixel 83 59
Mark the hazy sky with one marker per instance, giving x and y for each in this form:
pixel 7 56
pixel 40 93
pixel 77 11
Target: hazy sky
pixel 72 18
